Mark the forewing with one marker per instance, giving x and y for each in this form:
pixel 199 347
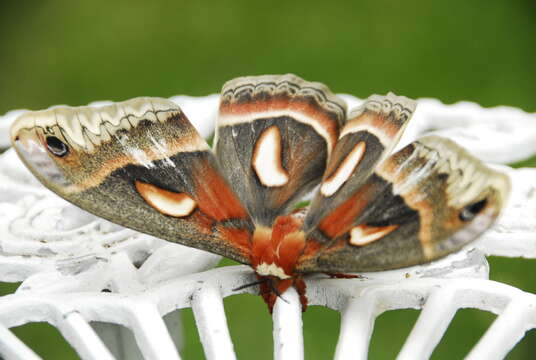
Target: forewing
pixel 425 201
pixel 274 136
pixel 372 131
pixel 140 164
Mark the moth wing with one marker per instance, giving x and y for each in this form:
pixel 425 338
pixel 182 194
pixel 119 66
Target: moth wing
pixel 274 136
pixel 425 201
pixel 140 164
pixel 369 136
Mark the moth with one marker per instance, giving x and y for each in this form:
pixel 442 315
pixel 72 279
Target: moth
pixel 141 164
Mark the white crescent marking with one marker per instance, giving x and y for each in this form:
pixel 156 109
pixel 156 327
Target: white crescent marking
pixel 344 171
pixel 166 202
pixel 267 158
pixel 363 235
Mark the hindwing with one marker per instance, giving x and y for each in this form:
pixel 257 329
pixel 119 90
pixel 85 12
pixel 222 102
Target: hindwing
pixel 141 164
pixel 371 132
pixel 425 201
pixel 274 137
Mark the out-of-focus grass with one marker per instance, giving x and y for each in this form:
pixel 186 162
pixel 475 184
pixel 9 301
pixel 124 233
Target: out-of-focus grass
pixel 57 52
pixel 531 162
pixel 71 52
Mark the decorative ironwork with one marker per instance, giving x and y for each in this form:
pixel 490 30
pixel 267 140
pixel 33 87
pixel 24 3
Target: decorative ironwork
pixel 66 257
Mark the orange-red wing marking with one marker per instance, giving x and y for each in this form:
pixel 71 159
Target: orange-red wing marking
pixel 274 136
pixel 369 135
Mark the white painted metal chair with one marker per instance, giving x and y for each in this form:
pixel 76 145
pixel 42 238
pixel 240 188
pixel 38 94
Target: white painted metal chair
pixel 65 257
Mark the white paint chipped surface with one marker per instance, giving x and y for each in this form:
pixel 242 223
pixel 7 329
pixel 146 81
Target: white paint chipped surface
pixel 65 257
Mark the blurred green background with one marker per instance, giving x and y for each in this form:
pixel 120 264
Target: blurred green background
pixel 75 52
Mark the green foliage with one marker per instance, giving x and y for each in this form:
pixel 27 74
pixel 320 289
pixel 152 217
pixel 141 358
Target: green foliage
pixel 530 162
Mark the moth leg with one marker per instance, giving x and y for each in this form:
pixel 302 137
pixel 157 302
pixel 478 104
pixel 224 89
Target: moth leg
pixel 269 299
pixel 266 292
pixel 301 288
pixel 344 276
pixel 258 282
pixel 271 288
pixel 280 286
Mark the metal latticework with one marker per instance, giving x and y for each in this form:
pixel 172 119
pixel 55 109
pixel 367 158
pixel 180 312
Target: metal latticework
pixel 65 257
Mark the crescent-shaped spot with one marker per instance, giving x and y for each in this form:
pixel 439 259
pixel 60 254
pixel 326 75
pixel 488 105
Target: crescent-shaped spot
pixel 344 171
pixel 267 158
pixel 362 234
pixel 166 202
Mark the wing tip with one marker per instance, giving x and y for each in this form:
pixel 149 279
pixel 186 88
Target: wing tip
pixel 252 88
pixel 401 106
pixel 460 159
pixel 76 121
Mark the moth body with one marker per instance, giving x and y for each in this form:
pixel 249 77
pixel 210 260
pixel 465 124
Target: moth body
pixel 274 254
pixel 141 164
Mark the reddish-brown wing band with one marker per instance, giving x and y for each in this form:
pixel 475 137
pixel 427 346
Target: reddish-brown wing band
pixel 370 134
pixel 274 136
pixel 425 201
pixel 140 164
